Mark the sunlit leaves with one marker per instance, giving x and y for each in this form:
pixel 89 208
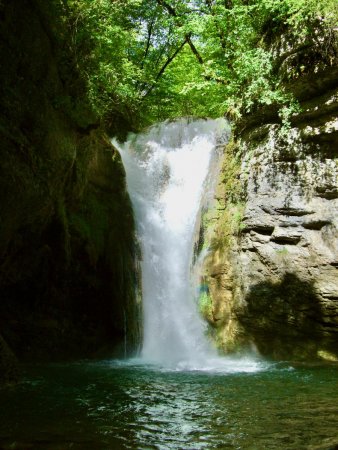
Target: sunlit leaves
pixel 167 58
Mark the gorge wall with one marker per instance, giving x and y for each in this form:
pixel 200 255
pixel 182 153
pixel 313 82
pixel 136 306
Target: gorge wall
pixel 272 269
pixel 67 272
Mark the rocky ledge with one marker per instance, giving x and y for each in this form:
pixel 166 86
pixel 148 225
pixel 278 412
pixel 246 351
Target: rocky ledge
pixel 273 278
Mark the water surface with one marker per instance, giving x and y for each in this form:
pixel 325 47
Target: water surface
pixel 112 405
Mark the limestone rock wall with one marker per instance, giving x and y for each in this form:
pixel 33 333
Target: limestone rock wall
pixel 273 277
pixel 67 270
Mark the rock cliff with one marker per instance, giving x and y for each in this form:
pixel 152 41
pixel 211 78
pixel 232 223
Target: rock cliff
pixel 272 270
pixel 67 272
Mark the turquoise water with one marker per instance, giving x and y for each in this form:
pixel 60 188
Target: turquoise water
pixel 111 405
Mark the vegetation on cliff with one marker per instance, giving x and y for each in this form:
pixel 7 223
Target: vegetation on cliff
pixel 153 60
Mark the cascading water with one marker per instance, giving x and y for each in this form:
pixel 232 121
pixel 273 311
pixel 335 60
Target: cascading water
pixel 167 171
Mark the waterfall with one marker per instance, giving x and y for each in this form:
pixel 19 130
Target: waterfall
pixel 167 170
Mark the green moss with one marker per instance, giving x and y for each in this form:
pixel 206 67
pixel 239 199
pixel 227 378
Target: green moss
pixel 78 223
pixel 205 305
pixel 327 356
pixel 65 237
pixel 231 170
pixel 231 200
pixel 282 251
pixel 229 226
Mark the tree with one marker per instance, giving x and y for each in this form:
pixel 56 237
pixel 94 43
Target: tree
pixel 156 59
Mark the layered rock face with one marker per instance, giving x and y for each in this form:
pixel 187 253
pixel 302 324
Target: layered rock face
pixel 273 277
pixel 66 230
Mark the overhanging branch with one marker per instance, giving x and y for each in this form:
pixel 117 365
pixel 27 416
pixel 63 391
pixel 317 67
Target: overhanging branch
pixel 165 65
pixel 188 40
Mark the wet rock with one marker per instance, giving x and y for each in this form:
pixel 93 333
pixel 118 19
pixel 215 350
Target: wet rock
pixel 329 192
pixel 67 252
pixel 286 235
pixel 283 290
pixel 9 371
pixel 316 222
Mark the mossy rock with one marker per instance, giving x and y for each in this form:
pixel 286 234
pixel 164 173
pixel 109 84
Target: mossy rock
pixel 9 370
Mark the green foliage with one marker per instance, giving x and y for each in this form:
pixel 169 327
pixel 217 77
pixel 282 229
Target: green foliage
pixel 156 59
pixel 285 113
pixel 101 35
pixel 299 12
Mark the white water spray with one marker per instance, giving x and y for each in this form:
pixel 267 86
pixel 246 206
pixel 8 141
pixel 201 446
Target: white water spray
pixel 167 170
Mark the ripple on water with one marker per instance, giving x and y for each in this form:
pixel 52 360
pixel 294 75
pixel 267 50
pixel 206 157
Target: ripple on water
pixel 115 405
